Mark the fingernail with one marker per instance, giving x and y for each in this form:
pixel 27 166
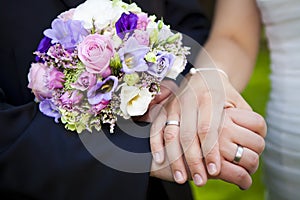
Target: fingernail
pixel 178 176
pixel 198 180
pixel 211 168
pixel 157 157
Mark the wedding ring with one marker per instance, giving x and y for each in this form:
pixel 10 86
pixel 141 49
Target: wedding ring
pixel 172 122
pixel 238 154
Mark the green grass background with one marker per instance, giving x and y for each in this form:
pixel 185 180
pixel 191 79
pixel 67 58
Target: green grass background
pixel 256 95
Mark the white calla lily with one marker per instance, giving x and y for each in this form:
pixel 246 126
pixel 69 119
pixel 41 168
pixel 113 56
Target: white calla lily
pixel 134 101
pixel 177 68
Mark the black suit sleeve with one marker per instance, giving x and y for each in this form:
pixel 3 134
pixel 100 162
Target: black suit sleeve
pixel 39 159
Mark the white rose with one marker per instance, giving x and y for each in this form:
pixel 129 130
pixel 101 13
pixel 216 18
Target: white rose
pixel 134 101
pixel 102 11
pixel 164 33
pixel 134 8
pixel 177 68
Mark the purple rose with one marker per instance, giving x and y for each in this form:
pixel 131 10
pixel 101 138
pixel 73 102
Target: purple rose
pixel 163 64
pixel 85 81
pixel 38 81
pixel 48 108
pixel 95 52
pixel 55 79
pixel 126 24
pixel 132 56
pixel 103 90
pixel 67 33
pixel 71 98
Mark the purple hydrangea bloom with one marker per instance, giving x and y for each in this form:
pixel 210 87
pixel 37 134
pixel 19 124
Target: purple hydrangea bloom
pixel 48 108
pixel 67 33
pixel 126 24
pixel 102 90
pixel 132 56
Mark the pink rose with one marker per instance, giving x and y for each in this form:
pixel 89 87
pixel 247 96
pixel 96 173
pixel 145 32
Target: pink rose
pixel 142 21
pixel 95 52
pixel 142 37
pixel 37 78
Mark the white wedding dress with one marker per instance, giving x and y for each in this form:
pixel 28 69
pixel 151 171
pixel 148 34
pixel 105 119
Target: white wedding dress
pixel 282 154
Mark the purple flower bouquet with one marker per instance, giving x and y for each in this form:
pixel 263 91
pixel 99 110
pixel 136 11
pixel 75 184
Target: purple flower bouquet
pixel 101 60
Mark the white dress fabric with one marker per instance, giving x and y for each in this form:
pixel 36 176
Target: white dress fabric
pixel 281 157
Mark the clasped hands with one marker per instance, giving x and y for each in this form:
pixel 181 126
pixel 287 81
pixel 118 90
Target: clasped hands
pixel 219 136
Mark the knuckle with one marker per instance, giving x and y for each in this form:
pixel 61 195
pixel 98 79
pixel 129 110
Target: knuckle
pixel 194 163
pixel 261 123
pixel 225 128
pixel 205 99
pixel 155 145
pixel 204 128
pixel 206 95
pixel 210 152
pixel 242 175
pixel 187 138
pixel 260 145
pixel 170 134
pixel 254 162
pixel 155 128
pixel 247 185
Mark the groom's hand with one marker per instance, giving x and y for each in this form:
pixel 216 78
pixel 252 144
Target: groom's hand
pixel 167 89
pixel 240 127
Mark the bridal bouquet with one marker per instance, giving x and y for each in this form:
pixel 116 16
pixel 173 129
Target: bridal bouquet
pixel 101 60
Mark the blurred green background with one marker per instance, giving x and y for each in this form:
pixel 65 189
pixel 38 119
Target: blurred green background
pixel 256 95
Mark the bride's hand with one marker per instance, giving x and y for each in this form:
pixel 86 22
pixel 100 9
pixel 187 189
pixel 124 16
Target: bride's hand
pixel 198 106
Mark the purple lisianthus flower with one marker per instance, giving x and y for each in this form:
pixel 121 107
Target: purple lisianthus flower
pixel 48 108
pixel 126 24
pixel 71 98
pixel 132 56
pixel 85 81
pixel 102 90
pixel 67 33
pixel 164 62
pixel 43 47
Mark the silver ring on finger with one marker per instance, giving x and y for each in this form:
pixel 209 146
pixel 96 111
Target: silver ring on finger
pixel 172 122
pixel 238 154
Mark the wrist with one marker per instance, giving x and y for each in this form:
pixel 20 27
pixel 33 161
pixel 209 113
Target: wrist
pixel 199 70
